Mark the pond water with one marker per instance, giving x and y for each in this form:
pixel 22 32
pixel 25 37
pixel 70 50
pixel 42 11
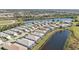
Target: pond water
pixel 56 41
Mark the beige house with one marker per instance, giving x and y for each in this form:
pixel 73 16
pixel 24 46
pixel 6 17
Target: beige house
pixel 13 46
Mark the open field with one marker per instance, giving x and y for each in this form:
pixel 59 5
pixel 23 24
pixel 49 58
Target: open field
pixel 7 22
pixel 73 40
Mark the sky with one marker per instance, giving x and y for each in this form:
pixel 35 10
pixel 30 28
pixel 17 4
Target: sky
pixel 39 4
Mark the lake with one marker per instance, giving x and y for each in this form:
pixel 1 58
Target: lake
pixel 56 41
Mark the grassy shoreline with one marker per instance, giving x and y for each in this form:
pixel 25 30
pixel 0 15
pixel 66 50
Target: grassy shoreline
pixel 72 42
pixel 67 41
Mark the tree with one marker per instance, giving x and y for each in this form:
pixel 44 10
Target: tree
pixel 57 20
pixel 53 20
pixel 61 22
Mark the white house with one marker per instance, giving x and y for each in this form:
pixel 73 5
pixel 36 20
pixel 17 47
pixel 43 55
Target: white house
pixel 1 42
pixel 37 34
pixel 23 29
pixel 26 42
pixel 13 46
pixel 5 35
pixel 17 30
pixel 11 33
pixel 41 31
pixel 32 37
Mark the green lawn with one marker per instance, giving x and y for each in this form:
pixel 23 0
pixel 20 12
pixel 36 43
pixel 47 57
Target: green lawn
pixel 7 22
pixel 73 40
pixel 75 30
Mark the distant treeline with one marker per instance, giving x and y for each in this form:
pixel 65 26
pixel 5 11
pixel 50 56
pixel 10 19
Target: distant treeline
pixel 49 16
